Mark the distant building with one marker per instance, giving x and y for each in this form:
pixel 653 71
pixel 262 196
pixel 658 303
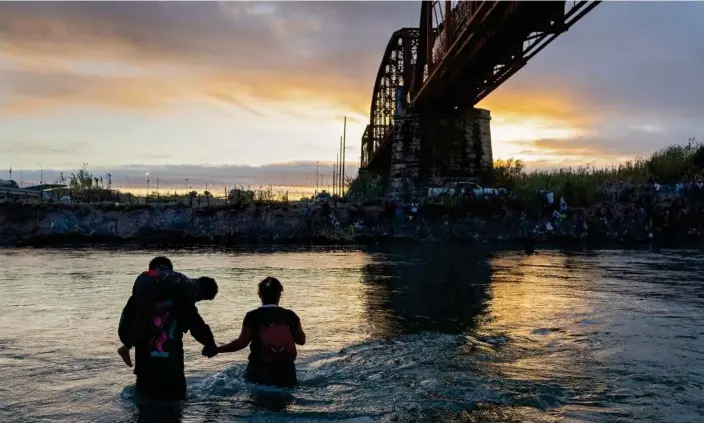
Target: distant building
pixel 8 184
pixel 10 192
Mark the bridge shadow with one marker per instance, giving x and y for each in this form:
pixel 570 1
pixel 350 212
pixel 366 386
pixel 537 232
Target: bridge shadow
pixel 413 289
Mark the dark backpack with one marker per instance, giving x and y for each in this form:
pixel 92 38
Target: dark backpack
pixel 277 344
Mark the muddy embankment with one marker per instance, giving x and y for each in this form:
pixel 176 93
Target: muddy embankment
pixel 39 225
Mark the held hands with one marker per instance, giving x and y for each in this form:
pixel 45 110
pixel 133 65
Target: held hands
pixel 210 351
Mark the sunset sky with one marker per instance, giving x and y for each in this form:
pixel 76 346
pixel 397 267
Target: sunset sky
pixel 181 89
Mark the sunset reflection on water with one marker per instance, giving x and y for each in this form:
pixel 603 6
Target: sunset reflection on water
pixel 415 332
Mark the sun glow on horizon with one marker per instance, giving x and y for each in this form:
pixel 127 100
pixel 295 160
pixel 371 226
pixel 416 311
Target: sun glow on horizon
pixel 183 85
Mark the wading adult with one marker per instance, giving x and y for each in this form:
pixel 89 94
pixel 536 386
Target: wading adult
pixel 163 309
pixel 272 333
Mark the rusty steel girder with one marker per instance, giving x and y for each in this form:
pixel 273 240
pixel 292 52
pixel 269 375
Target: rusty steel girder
pixel 462 51
pixel 467 49
pixel 391 92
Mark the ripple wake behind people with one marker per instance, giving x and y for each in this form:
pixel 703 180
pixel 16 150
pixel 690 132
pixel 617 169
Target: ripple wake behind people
pixel 394 334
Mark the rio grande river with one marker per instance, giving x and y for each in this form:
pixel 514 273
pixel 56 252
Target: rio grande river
pixel 395 334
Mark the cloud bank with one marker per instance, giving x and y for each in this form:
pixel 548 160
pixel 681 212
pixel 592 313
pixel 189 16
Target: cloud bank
pixel 181 177
pixel 114 83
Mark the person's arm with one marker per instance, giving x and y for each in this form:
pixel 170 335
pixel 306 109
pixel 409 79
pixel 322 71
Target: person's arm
pixel 238 344
pixel 200 331
pixel 299 337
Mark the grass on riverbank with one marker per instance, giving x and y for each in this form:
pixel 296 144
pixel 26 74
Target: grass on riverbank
pixel 583 185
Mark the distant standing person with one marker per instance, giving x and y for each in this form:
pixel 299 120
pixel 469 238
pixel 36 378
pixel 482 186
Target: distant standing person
pixel 272 333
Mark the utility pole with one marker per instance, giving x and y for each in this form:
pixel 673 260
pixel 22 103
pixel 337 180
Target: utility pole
pixel 339 169
pixel 334 174
pixel 316 178
pixel 41 178
pixel 344 141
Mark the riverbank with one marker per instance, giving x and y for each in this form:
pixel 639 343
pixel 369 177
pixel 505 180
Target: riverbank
pixel 296 223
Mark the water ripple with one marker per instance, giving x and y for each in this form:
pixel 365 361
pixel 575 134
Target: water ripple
pixel 396 334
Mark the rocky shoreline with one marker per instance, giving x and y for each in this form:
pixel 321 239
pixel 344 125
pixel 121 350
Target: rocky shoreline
pixel 344 224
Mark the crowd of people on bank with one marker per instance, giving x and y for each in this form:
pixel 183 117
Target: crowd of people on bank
pixel 619 211
pixel 626 212
pixel 162 308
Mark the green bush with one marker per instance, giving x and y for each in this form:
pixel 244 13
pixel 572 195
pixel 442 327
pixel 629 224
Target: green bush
pixel 365 187
pixel 582 186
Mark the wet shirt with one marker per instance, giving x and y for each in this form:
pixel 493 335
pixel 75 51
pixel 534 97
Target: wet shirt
pixel 160 352
pixel 266 315
pixel 134 318
pixel 164 310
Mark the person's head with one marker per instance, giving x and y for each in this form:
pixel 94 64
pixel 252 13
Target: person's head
pixel 207 288
pixel 160 262
pixel 270 290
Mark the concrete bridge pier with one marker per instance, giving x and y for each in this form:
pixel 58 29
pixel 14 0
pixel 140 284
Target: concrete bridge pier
pixel 437 148
pixel 405 163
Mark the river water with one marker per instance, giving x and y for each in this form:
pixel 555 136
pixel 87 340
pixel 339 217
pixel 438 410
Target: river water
pixel 395 334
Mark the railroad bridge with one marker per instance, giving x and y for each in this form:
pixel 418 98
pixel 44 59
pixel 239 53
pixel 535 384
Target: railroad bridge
pixel 424 129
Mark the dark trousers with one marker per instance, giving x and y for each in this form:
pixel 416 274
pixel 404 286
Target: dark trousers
pixel 276 375
pixel 161 388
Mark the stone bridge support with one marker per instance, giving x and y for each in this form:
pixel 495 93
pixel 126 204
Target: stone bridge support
pixel 437 148
pixel 405 166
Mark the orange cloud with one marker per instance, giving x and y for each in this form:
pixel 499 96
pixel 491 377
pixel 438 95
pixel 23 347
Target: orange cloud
pixel 286 56
pixel 239 55
pixel 560 163
pixel 596 148
pixel 233 52
pixel 538 104
pixel 33 92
